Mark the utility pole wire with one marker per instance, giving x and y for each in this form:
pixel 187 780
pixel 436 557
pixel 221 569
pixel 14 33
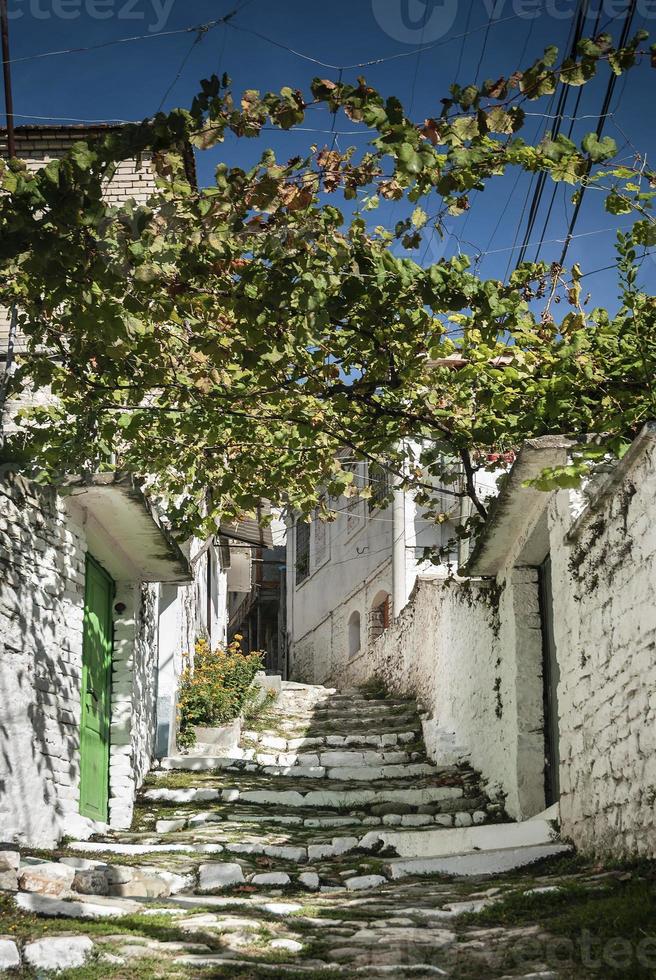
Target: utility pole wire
pixel 6 69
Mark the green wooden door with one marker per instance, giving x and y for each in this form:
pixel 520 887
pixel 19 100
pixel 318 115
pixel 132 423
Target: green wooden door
pixel 96 693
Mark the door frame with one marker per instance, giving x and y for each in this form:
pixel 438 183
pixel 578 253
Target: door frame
pixel 86 809
pixel 550 680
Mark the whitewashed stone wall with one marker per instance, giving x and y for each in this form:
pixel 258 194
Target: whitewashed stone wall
pixel 42 556
pixel 452 649
pixel 472 653
pixel 42 583
pixel 134 697
pixel 606 641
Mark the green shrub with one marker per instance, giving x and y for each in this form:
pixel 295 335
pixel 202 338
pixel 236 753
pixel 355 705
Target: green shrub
pixel 215 689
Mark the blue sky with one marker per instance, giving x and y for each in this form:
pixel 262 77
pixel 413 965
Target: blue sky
pixel 129 80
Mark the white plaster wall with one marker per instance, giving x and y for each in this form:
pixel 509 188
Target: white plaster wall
pixel 324 651
pixel 182 619
pixel 355 566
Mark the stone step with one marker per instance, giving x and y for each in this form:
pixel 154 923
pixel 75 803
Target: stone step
pixel 333 799
pixel 475 864
pixel 355 774
pixel 383 741
pixel 309 765
pixel 459 840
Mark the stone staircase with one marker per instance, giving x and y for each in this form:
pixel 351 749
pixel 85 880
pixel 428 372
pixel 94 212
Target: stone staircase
pixel 332 797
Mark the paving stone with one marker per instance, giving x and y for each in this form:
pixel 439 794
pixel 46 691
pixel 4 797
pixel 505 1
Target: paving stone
pixel 46 878
pixel 170 826
pixel 58 952
pixel 200 819
pixel 91 881
pixel 287 852
pixel 78 908
pixel 364 882
pixel 9 858
pixel 218 875
pixel 276 879
pixel 416 820
pixel 289 945
pixel 9 955
pixel 309 880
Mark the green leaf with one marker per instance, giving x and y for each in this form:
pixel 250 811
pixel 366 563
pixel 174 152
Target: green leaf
pixel 597 149
pixel 465 128
pixel 419 217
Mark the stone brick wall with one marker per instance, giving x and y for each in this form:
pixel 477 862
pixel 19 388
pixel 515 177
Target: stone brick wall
pixel 450 648
pixel 42 584
pixel 606 642
pixel 42 556
pixel 38 145
pixel 134 697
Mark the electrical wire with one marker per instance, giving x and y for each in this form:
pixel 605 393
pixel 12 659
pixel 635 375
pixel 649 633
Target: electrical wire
pixel 603 115
pixel 374 61
pixel 575 36
pixel 485 40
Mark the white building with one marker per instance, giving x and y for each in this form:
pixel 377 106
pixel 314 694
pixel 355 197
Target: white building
pixel 349 578
pixel 97 605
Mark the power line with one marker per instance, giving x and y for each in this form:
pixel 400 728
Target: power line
pixel 373 61
pixel 485 40
pixel 183 64
pixel 574 38
pixel 462 45
pixel 608 98
pixel 193 29
pixel 570 131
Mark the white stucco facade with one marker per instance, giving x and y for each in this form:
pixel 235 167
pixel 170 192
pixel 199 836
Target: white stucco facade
pixel 185 613
pixel 354 565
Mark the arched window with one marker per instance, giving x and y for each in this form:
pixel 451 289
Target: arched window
pixel 354 634
pixel 379 617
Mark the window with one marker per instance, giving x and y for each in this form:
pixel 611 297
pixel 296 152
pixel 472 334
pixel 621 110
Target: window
pixel 379 617
pixel 354 634
pixel 302 551
pixel 381 486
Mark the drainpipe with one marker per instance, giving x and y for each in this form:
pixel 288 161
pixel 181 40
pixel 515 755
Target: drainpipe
pixel 398 550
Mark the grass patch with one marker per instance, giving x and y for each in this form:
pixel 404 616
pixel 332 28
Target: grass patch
pixel 603 928
pixel 375 689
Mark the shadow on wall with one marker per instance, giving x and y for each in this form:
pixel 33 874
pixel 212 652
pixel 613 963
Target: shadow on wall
pixel 42 556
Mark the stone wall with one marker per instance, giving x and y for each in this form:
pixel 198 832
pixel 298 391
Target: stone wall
pixel 452 649
pixel 42 584
pixel 606 642
pixel 134 697
pixel 42 561
pixel 471 651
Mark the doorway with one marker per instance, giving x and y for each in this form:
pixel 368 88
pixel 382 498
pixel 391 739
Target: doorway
pixel 96 692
